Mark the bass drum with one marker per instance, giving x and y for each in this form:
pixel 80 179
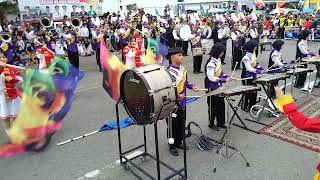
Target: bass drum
pixel 185 32
pixel 145 90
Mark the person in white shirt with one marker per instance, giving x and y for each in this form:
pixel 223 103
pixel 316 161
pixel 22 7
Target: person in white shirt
pixel 84 31
pixel 59 49
pixel 96 20
pixel 302 52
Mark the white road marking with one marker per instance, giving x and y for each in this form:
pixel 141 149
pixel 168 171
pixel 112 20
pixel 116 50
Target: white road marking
pixel 92 174
pixel 97 172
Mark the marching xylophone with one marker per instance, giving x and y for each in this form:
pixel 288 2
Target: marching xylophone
pixel 266 78
pixel 239 90
pixel 312 60
pixel 232 91
pixel 298 71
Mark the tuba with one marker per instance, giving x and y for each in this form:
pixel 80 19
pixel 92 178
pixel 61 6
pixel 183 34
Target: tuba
pixel 46 21
pixel 76 22
pixel 6 37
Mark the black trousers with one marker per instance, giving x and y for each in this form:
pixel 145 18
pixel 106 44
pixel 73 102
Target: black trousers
pixel 236 57
pixel 74 58
pixel 281 33
pixel 178 127
pixel 250 99
pixel 98 58
pixel 224 54
pixel 301 78
pixel 216 110
pixel 216 107
pixel 197 61
pixel 178 43
pixel 185 47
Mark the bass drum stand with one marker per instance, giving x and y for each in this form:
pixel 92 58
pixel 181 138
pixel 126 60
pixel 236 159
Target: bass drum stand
pixel 223 148
pixel 126 162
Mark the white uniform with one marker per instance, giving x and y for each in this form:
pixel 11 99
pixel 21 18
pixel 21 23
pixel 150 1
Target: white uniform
pixel 213 67
pixel 248 60
pixel 276 58
pixel 303 47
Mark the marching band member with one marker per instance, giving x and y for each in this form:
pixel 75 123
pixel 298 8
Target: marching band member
pixel 250 70
pixel 302 52
pixel 275 60
pixel 72 47
pixel 131 53
pixel 254 34
pixel 237 40
pixel 207 31
pixel 7 50
pixel 140 46
pixel 124 35
pixel 213 80
pixel 179 76
pixel 9 99
pixel 196 43
pixel 176 34
pixel 59 49
pixel 215 31
pixel 170 40
pixel 223 36
pixel 97 36
pixel 276 64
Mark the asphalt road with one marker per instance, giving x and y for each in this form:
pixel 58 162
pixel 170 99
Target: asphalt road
pixel 95 157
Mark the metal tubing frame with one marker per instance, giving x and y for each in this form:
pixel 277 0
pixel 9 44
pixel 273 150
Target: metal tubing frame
pixel 145 153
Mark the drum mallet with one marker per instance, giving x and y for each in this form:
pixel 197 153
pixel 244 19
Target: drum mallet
pixel 234 69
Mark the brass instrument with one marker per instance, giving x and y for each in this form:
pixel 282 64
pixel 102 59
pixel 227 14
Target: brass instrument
pixel 46 21
pixel 6 37
pixel 76 22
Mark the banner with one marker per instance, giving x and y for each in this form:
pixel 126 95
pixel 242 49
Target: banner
pixel 56 9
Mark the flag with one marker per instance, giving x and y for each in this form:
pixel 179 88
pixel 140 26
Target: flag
pixel 112 68
pixel 157 13
pixel 202 10
pixel 156 52
pixel 46 99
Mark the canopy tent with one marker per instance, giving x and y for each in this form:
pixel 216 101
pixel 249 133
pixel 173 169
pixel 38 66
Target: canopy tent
pixel 283 11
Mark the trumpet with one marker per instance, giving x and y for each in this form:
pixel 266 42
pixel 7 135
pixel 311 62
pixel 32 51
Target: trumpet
pixel 6 37
pixel 76 22
pixel 46 21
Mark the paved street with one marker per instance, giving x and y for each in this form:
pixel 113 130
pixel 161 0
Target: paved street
pixel 96 156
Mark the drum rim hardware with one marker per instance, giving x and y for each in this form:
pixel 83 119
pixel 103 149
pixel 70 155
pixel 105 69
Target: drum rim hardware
pixel 154 100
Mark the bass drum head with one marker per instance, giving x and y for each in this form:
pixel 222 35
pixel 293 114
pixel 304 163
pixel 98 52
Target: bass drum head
pixel 135 96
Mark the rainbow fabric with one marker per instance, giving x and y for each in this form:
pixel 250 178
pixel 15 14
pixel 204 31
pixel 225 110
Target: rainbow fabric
pixel 112 67
pixel 46 99
pixel 156 52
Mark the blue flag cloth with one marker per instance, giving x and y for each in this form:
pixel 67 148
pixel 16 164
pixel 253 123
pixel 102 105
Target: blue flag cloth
pixel 126 122
pixel 113 125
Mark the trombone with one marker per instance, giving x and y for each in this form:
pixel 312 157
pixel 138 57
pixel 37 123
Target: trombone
pixel 6 37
